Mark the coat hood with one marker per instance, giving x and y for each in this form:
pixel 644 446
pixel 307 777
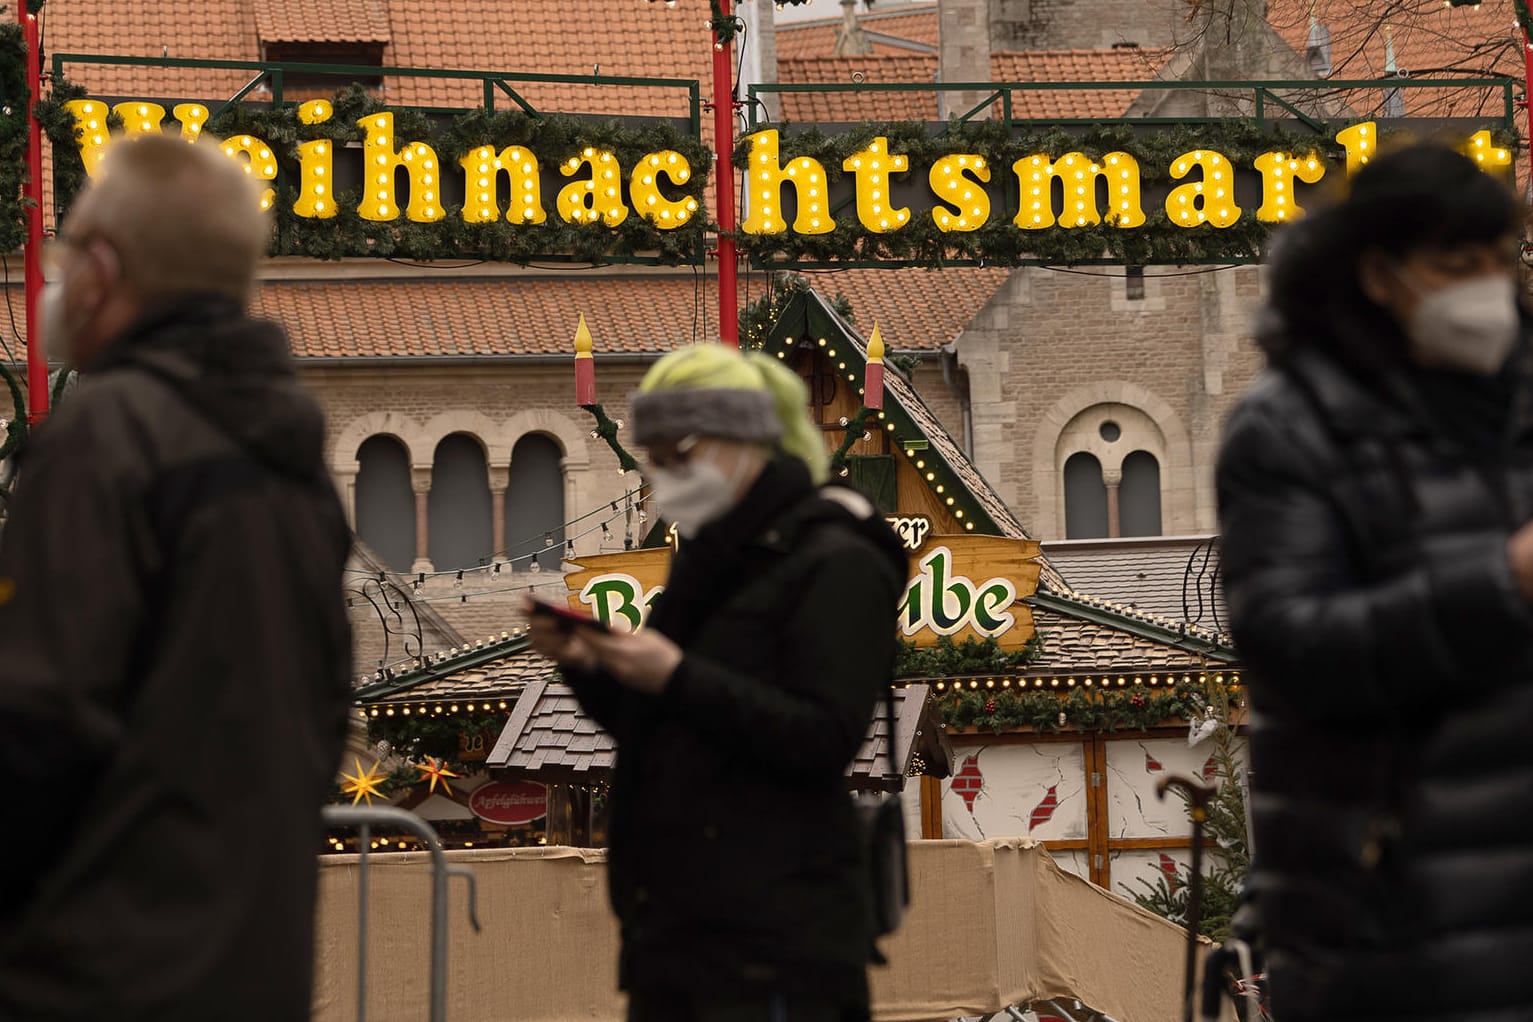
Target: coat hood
pixel 235 370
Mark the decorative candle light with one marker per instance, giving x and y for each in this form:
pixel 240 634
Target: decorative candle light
pixel 873 380
pixel 585 367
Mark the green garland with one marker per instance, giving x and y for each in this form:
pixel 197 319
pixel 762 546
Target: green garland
pixel 13 135
pixel 606 429
pixel 420 735
pixel 554 138
pixel 1009 709
pixel 967 657
pixel 999 242
pixel 759 317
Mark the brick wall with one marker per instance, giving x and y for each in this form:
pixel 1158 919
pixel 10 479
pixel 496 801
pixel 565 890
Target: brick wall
pixel 1082 24
pixel 1051 347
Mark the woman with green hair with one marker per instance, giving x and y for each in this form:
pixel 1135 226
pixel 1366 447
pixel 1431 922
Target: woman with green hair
pixel 737 865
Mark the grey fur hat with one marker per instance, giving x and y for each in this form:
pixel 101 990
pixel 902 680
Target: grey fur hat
pixel 730 413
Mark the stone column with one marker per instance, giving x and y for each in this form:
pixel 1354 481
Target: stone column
pixel 346 486
pixel 500 479
pixel 1114 518
pixel 420 482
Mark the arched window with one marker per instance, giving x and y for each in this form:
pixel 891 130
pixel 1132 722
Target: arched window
pixel 1085 497
pixel 535 504
pixel 385 501
pixel 1139 495
pixel 458 511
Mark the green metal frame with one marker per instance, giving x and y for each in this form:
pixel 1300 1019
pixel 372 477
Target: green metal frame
pixel 1262 94
pixel 493 81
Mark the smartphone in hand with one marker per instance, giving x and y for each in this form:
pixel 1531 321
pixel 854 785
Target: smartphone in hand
pixel 567 620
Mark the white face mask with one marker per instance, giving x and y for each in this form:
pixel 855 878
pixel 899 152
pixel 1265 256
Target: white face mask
pixel 693 495
pixel 1470 326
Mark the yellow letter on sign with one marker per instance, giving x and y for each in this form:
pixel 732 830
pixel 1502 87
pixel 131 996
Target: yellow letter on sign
pixel 316 166
pixel 1211 200
pixel 958 183
pixel 1079 176
pixel 1279 172
pixel 482 168
pixel 90 117
pixel 1361 143
pixel 260 162
pixel 598 198
pixel 650 201
pixel 140 118
pixel 1485 152
pixel 379 162
pixel 872 168
pixel 766 178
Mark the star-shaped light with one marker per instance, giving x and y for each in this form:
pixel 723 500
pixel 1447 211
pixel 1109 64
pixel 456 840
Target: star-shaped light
pixel 435 770
pixel 363 784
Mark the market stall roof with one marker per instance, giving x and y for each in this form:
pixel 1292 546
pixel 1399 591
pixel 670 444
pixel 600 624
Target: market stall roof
pixel 548 736
pixel 493 670
pixel 1172 576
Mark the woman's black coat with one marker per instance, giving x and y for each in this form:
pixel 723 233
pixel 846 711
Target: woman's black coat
pixel 737 863
pixel 1365 517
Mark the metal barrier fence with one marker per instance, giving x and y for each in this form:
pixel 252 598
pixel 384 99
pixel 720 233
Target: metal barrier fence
pixel 364 818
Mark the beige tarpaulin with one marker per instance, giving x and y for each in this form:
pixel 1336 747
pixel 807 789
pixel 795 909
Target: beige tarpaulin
pixel 990 924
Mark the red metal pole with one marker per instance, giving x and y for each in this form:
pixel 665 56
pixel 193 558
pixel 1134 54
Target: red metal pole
pixel 724 182
pixel 32 192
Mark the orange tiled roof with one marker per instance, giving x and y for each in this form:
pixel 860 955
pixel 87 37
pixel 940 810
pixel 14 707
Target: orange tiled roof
pixel 647 40
pixel 321 21
pixel 1436 41
pixel 916 25
pixel 204 30
pixel 571 37
pixel 859 106
pixel 916 310
pixel 1125 65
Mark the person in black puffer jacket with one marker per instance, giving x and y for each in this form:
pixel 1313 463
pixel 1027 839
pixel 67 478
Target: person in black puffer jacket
pixel 1375 491
pixel 738 870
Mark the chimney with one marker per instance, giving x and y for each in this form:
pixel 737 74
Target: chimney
pixel 851 41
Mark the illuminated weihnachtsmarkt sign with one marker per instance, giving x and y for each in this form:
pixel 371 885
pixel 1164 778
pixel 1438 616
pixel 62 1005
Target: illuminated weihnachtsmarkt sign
pixel 863 196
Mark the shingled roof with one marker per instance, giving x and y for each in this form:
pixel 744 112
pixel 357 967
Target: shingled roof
pixel 490 671
pixel 1172 576
pixel 550 738
pixel 627 312
pixel 321 21
pixel 1429 41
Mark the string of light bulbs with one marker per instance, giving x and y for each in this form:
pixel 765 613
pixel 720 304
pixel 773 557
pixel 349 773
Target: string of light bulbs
pixel 491 563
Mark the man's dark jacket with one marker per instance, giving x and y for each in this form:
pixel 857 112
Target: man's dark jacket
pixel 737 864
pixel 174 661
pixel 1365 515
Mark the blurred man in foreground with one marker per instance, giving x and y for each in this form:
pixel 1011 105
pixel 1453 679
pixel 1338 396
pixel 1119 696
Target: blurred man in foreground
pixel 174 651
